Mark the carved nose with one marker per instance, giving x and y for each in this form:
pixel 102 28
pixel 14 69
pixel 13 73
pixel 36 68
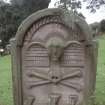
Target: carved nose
pixel 54 77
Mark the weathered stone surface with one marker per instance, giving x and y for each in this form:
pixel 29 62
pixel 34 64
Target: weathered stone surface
pixel 54 60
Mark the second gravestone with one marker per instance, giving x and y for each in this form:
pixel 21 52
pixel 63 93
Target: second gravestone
pixel 54 60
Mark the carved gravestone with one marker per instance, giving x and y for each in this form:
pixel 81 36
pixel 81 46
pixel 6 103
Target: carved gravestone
pixel 54 60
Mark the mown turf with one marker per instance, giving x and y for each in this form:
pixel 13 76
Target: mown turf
pixel 6 81
pixel 100 81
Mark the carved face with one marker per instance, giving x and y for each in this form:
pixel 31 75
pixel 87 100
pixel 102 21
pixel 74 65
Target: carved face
pixel 55 48
pixel 55 52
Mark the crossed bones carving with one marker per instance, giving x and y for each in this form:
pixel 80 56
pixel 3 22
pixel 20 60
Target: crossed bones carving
pixel 56 80
pixel 55 48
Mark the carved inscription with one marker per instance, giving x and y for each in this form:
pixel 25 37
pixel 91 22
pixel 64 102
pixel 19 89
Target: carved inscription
pixel 73 99
pixel 54 98
pixel 29 101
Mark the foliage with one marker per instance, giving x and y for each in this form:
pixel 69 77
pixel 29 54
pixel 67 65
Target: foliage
pixel 71 4
pixel 95 28
pixel 11 15
pixel 9 21
pixel 102 26
pixel 92 5
pixel 30 6
pixel 98 29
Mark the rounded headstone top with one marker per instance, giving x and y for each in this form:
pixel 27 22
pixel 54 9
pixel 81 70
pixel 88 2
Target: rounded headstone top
pixel 68 18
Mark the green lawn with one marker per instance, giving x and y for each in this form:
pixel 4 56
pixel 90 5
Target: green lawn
pixel 100 83
pixel 5 81
pixel 6 84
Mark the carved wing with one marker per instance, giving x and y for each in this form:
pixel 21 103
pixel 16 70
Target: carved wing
pixel 36 56
pixel 73 55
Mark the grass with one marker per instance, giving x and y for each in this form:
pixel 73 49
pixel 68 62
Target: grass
pixel 100 83
pixel 6 84
pixel 5 81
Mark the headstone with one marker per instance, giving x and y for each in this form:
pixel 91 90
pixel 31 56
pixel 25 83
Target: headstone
pixel 54 60
pixel 7 50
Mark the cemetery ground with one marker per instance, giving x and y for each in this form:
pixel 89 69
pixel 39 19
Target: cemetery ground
pixel 6 78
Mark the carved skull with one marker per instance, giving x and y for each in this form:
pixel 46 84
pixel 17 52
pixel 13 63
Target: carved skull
pixel 55 48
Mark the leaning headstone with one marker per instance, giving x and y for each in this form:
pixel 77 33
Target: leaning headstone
pixel 54 60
